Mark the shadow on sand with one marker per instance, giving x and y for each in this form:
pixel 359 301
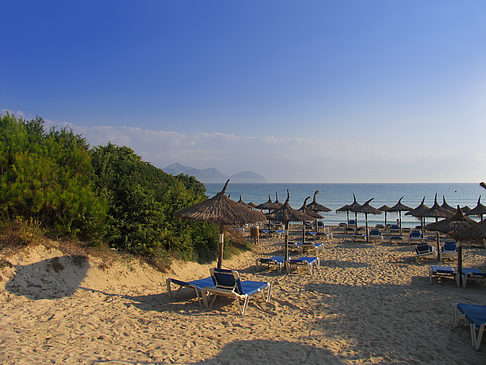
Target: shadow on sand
pixel 272 352
pixel 49 279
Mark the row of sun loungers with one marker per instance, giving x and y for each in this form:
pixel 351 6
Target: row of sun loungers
pixel 279 262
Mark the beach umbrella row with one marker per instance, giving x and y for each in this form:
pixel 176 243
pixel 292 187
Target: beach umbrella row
pixel 309 212
pixel 366 209
pixel 453 226
pixel 286 214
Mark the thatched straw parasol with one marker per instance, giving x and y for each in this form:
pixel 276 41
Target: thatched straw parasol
pixel 399 207
pixel 268 205
pixel 455 223
pixel 222 211
pixel 304 209
pixel 344 208
pixel 354 207
pixel 276 203
pixel 479 210
pixel 454 226
pixel 285 215
pixel 436 212
pixel 475 233
pixel 316 207
pixel 418 212
pixel 447 206
pixel 384 208
pixel 366 209
pixel 241 201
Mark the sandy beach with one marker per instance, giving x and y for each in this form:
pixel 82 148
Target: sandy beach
pixel 368 304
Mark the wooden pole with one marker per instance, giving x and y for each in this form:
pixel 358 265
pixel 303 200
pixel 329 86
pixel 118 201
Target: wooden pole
pixel 221 246
pixel 286 258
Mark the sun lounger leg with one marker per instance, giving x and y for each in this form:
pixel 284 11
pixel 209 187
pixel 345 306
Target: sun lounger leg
pixel 168 281
pixel 269 293
pixel 479 338
pixel 455 319
pixel 245 304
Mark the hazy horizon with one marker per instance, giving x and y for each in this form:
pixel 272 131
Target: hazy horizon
pixel 307 92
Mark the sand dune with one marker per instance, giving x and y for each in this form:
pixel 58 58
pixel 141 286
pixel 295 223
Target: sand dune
pixel 369 303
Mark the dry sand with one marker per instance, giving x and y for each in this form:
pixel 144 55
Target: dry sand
pixel 368 304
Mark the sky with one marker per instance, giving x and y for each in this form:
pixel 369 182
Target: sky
pixel 298 91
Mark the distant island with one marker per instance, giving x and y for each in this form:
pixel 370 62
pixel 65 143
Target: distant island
pixel 213 175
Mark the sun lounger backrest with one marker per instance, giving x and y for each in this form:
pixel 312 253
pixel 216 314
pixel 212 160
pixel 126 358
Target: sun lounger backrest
pixel 423 248
pixel 227 279
pixel 450 246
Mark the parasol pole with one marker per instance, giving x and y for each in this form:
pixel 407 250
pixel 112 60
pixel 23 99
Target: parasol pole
pixel 286 258
pixel 459 263
pixel 221 246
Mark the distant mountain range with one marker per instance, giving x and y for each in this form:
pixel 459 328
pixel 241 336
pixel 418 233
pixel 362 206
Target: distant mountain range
pixel 213 175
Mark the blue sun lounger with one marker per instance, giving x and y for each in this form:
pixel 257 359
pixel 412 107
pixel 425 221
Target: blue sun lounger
pixel 436 272
pixel 423 250
pixel 316 246
pixel 197 285
pixel 308 261
pixel 274 260
pixel 476 315
pixel 228 283
pixel 448 251
pixel 470 273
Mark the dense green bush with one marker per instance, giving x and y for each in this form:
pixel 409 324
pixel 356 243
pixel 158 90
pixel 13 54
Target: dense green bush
pixel 106 193
pixel 142 200
pixel 48 177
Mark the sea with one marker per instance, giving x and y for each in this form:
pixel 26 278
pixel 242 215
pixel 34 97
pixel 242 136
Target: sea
pixel 334 196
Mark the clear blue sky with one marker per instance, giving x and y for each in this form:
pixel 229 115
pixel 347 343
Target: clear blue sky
pixel 311 91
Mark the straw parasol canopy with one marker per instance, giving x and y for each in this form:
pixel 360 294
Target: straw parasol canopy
pixel 399 207
pixel 366 209
pixel 384 208
pixel 479 210
pixel 286 214
pixel 315 206
pixel 311 213
pixel 436 212
pixel 475 233
pixel 418 212
pixel 222 211
pixel 447 206
pixel 241 201
pixel 455 223
pixel 453 226
pixel 344 208
pixel 268 205
pixel 354 207
pixel 276 203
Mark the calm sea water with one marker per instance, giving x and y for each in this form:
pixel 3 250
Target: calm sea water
pixel 335 196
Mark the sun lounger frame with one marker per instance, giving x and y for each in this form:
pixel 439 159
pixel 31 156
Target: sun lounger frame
pixel 275 260
pixel 459 311
pixel 197 285
pixel 309 261
pixel 232 291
